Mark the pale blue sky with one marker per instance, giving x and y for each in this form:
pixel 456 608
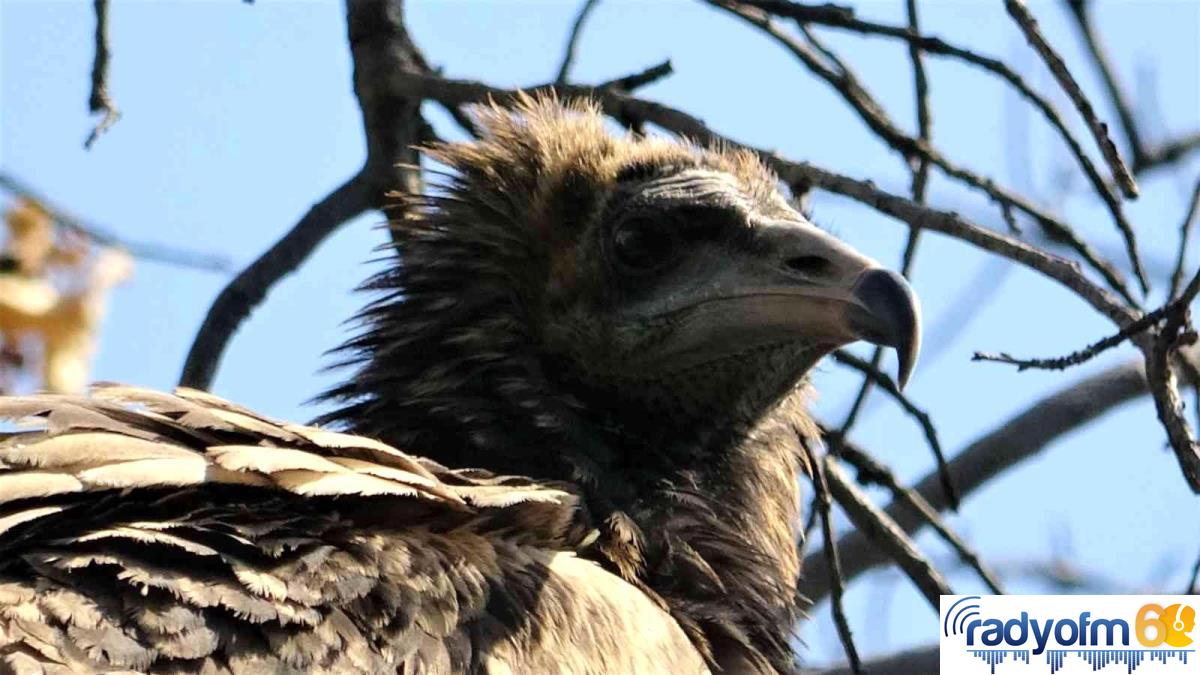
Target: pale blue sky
pixel 237 117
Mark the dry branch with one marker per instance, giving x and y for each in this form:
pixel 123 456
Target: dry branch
pixel 564 69
pixel 162 253
pixel 99 100
pixel 392 123
pixel 920 182
pixel 235 302
pixel 1029 26
pixel 1012 442
pixel 846 83
pixel 1175 333
pixel 1144 157
pixel 1093 350
pixel 1185 232
pixel 883 531
pixel 872 472
pixel 872 374
pixel 822 503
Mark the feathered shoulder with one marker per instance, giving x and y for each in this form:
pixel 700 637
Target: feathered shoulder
pixel 148 531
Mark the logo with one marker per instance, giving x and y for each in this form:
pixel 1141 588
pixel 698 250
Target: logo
pixel 1067 634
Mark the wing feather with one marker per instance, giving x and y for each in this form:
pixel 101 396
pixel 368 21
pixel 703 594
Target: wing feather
pixel 184 533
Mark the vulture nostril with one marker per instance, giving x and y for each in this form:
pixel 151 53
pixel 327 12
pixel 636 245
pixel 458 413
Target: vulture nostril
pixel 809 265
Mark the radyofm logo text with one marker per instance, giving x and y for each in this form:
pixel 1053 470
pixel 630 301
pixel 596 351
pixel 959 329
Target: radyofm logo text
pixel 1068 633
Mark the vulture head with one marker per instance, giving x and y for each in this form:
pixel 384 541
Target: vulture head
pixel 617 291
pixel 634 316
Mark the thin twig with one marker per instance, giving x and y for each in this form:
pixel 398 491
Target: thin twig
pixel 920 181
pixel 1192 587
pixel 1121 174
pixel 1169 152
pixel 1029 26
pixel 878 526
pixel 1091 351
pixel 1185 232
pixel 828 13
pixel 161 253
pixel 1021 437
pixel 380 45
pixel 564 70
pixel 846 83
pixel 822 504
pixel 889 386
pixel 1163 387
pixel 1079 9
pixel 924 122
pixel 99 101
pixel 872 472
pixel 810 523
pixel 634 81
pixel 939 47
pixel 1144 157
pixel 239 298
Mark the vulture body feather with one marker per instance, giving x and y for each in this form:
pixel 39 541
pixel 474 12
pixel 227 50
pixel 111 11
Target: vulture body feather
pixel 571 442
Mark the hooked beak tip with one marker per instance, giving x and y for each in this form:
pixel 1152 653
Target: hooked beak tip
pixel 892 317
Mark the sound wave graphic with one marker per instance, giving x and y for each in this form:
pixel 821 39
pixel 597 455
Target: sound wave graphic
pixel 995 656
pixel 1099 658
pixel 1096 658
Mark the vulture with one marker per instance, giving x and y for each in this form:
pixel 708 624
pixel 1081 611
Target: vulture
pixel 570 441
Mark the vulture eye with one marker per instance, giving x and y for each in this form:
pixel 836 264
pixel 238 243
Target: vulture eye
pixel 642 244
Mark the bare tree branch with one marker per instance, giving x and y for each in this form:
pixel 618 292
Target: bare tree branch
pixel 872 113
pixel 564 70
pixel 1162 380
pixel 821 505
pixel 920 181
pixel 1192 587
pixel 1185 233
pixel 1121 174
pixel 392 122
pixel 1014 441
pixel 632 82
pixel 235 302
pixel 1169 152
pixel 160 253
pixel 1093 350
pixel 1144 157
pixel 872 472
pixel 939 47
pixel 99 100
pixel 878 378
pixel 885 533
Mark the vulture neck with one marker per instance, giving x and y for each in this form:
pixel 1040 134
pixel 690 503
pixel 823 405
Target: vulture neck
pixel 696 499
pixel 715 502
pixel 700 505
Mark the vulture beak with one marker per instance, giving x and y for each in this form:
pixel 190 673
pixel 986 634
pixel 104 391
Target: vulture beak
pixel 796 284
pixel 841 295
pixel 889 315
